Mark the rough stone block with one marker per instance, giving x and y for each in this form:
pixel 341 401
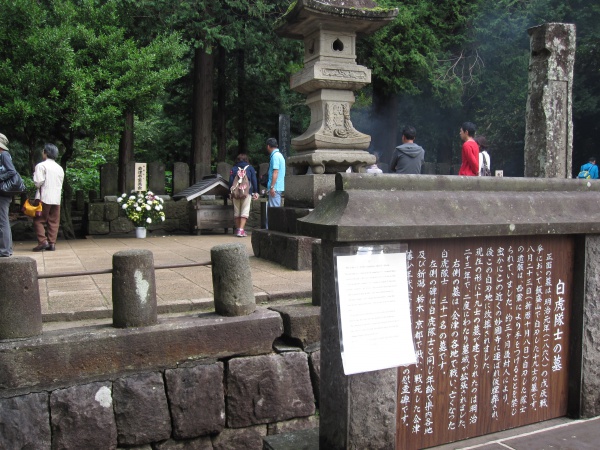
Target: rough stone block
pixel 96 212
pixel 315 372
pixel 197 400
pixel 25 422
pixel 297 440
pixel 82 417
pixel 291 251
pixel 240 439
pixel 121 225
pixel 301 322
pixel 267 389
pixel 287 426
pixel 201 443
pixel 111 211
pixel 141 409
pixel 306 191
pixel 177 210
pixel 224 169
pixel 316 274
pixel 98 226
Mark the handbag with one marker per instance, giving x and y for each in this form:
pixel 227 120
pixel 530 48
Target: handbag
pixel 13 185
pixel 33 208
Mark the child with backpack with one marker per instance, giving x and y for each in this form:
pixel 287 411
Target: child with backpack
pixel 244 188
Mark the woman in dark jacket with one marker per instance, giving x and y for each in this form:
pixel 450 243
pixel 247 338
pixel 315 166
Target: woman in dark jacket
pixel 7 170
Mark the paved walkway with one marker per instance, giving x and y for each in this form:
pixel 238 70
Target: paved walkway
pixel 178 290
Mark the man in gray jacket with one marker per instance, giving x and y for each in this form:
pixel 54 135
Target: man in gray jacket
pixel 408 157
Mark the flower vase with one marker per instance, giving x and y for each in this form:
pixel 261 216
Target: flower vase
pixel 140 232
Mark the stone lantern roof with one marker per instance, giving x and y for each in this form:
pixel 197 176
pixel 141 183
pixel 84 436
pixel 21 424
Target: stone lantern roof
pixel 359 16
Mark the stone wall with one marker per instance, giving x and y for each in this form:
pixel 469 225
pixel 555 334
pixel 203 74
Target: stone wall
pixel 107 218
pixel 226 389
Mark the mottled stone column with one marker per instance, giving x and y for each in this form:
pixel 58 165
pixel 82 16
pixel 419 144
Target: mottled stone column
pixel 133 289
pixel 156 177
pixel 109 181
pixel 20 308
pixel 232 280
pixel 549 128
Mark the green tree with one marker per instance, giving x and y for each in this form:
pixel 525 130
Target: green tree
pixel 68 71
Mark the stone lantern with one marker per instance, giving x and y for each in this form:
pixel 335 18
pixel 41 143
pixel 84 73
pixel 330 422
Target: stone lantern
pixel 329 29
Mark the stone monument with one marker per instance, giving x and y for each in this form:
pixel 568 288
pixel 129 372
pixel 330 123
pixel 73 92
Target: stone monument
pixel 549 129
pixel 331 144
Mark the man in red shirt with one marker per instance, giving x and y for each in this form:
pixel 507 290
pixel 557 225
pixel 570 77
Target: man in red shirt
pixel 470 150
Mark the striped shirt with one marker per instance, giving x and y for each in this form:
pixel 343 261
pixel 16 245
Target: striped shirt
pixel 48 178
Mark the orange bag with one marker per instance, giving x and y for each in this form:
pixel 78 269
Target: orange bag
pixel 33 208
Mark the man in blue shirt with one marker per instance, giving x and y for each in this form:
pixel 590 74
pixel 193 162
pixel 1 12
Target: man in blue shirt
pixel 276 181
pixel 589 170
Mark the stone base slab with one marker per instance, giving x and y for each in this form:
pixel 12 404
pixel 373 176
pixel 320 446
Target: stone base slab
pixel 293 252
pixel 305 191
pixel 331 161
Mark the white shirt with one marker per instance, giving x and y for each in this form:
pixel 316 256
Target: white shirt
pixel 485 155
pixel 48 178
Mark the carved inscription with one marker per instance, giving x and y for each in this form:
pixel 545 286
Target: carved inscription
pixel 490 325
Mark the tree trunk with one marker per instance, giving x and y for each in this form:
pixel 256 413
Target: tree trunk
pixel 241 102
pixel 385 117
pixel 66 222
pixel 202 120
pixel 221 106
pixel 125 149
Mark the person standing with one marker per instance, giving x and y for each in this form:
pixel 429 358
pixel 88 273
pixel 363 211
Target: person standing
pixel 241 206
pixel 276 184
pixel 470 150
pixel 48 179
pixel 7 171
pixel 408 158
pixel 591 168
pixel 484 156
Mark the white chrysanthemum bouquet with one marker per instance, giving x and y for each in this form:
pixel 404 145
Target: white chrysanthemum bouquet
pixel 142 208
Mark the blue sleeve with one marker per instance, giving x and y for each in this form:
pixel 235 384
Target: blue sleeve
pixel 278 161
pixel 253 181
pixel 232 173
pixel 594 171
pixel 9 168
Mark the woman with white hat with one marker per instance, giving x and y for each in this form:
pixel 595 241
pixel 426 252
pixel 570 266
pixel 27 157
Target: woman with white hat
pixel 7 170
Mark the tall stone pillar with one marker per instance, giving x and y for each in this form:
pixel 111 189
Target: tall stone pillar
pixel 549 129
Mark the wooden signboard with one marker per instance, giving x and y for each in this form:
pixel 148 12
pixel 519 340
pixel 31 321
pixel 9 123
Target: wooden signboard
pixel 490 321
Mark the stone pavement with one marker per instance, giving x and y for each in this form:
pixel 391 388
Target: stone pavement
pixel 178 290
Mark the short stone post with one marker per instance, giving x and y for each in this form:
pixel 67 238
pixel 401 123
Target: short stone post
pixel 232 280
pixel 133 289
pixel 20 308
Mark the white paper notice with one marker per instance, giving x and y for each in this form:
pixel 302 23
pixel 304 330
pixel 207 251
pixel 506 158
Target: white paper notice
pixel 375 325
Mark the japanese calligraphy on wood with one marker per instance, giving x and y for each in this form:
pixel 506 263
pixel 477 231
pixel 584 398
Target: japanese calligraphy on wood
pixel 490 323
